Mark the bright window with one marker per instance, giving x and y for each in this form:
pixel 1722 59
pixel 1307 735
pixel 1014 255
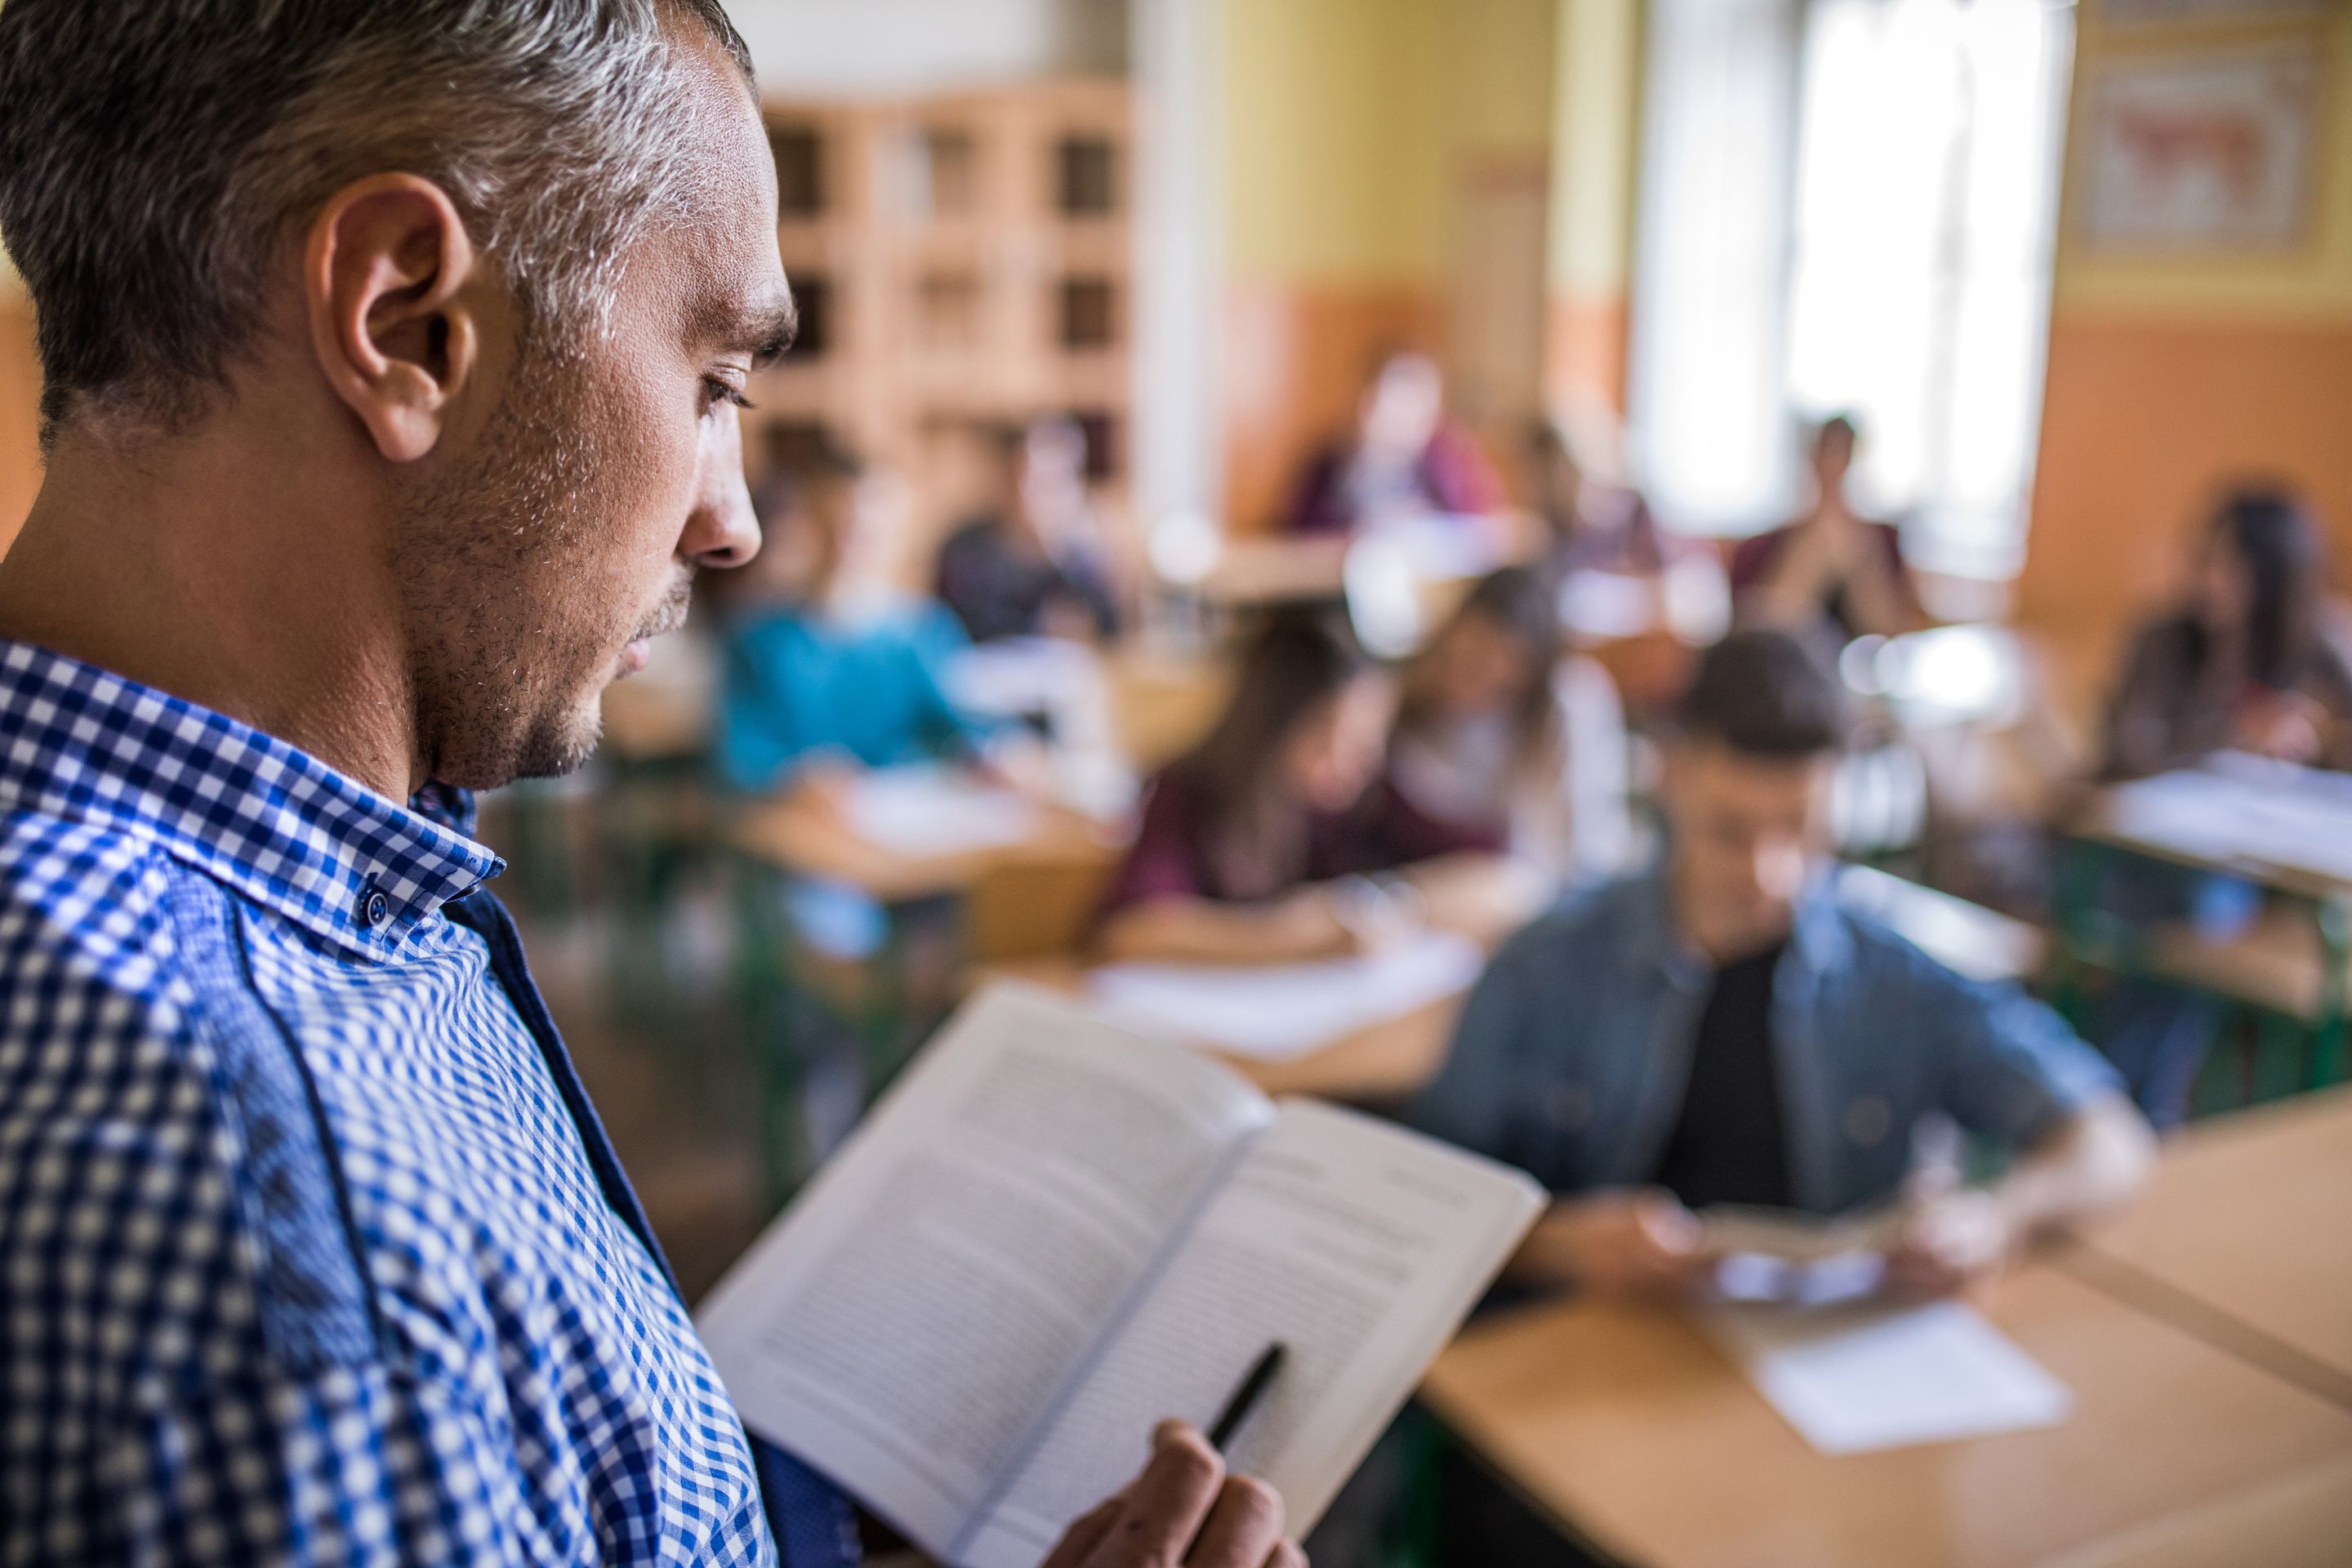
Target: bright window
pixel 1849 205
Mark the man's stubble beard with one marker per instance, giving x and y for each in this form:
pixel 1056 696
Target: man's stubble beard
pixel 493 560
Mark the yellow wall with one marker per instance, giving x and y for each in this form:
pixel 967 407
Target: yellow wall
pixel 2168 377
pixel 1347 126
pixel 1595 154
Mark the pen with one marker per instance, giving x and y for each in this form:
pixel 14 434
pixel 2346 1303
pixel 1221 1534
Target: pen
pixel 1244 1398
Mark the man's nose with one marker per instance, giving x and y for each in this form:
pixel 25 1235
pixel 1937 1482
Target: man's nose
pixel 723 530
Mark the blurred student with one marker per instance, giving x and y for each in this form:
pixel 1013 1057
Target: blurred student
pixel 821 673
pixel 1031 563
pixel 1720 1031
pixel 1405 458
pixel 1588 524
pixel 1832 571
pixel 1503 744
pixel 2250 660
pixel 2247 660
pixel 1249 844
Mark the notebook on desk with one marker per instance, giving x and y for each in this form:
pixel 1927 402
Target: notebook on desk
pixel 1051 1235
pixel 924 810
pixel 1276 1012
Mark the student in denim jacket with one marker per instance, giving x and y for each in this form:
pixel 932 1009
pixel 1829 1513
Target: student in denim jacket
pixel 1720 1031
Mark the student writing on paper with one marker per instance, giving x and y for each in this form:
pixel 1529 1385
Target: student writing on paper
pixel 1032 561
pixel 1502 744
pixel 2251 657
pixel 1720 1031
pixel 821 670
pixel 1405 458
pixel 1244 842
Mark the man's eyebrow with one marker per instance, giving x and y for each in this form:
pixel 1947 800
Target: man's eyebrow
pixel 763 328
pixel 772 331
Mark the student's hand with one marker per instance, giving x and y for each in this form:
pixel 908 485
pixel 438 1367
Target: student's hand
pixel 1949 1241
pixel 2286 726
pixel 1623 1244
pixel 1182 1510
pixel 827 779
pixel 1375 915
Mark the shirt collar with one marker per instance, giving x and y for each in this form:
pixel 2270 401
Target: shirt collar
pixel 282 828
pixel 1817 936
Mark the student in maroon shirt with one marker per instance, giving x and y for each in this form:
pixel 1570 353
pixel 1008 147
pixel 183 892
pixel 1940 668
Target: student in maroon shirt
pixel 1405 458
pixel 1243 841
pixel 1832 568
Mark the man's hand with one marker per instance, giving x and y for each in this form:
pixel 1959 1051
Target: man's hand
pixel 1949 1241
pixel 1182 1510
pixel 1626 1244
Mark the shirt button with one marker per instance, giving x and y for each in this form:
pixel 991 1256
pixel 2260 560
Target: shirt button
pixel 1869 1120
pixel 1569 1106
pixel 374 908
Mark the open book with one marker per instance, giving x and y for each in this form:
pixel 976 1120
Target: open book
pixel 1053 1234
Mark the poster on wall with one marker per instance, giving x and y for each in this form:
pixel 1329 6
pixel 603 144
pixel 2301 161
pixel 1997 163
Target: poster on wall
pixel 2212 152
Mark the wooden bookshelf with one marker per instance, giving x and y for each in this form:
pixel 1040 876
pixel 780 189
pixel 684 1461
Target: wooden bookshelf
pixel 961 258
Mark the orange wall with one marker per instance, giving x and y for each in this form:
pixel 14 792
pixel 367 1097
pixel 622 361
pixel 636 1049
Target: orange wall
pixel 1584 349
pixel 2144 420
pixel 20 385
pixel 1294 358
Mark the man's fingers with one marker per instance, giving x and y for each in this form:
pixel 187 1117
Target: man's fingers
pixel 1286 1555
pixel 1079 1542
pixel 1168 1501
pixel 1244 1526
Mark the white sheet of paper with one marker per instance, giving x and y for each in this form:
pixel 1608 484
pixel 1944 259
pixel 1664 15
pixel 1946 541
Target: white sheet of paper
pixel 2244 807
pixel 935 811
pixel 1285 1010
pixel 1855 1382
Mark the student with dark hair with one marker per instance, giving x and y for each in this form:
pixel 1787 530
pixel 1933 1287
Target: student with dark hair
pixel 1242 839
pixel 1505 744
pixel 814 674
pixel 1031 563
pixel 1720 1031
pixel 1404 457
pixel 2246 661
pixel 1832 568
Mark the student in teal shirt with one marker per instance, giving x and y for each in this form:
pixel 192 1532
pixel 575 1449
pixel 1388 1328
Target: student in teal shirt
pixel 813 680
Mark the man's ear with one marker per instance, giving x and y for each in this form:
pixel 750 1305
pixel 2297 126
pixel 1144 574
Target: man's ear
pixel 388 276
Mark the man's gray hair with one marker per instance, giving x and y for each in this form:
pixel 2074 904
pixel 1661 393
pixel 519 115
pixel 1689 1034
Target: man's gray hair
pixel 155 155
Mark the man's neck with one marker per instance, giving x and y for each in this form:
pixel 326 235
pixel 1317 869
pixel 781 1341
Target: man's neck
pixel 202 567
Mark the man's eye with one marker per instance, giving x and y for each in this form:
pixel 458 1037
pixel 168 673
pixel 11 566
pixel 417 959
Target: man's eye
pixel 715 392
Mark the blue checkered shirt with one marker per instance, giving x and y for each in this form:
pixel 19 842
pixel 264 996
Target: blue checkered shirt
pixel 312 1249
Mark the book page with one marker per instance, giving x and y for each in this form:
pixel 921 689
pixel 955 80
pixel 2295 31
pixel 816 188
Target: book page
pixel 907 1323
pixel 1356 1244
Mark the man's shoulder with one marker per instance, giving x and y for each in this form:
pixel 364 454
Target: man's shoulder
pixel 84 911
pixel 167 1146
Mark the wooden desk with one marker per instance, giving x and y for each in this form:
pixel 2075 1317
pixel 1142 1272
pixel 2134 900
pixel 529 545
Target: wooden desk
pixel 2303 1520
pixel 1629 1426
pixel 804 834
pixel 2204 845
pixel 1257 570
pixel 2245 1237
